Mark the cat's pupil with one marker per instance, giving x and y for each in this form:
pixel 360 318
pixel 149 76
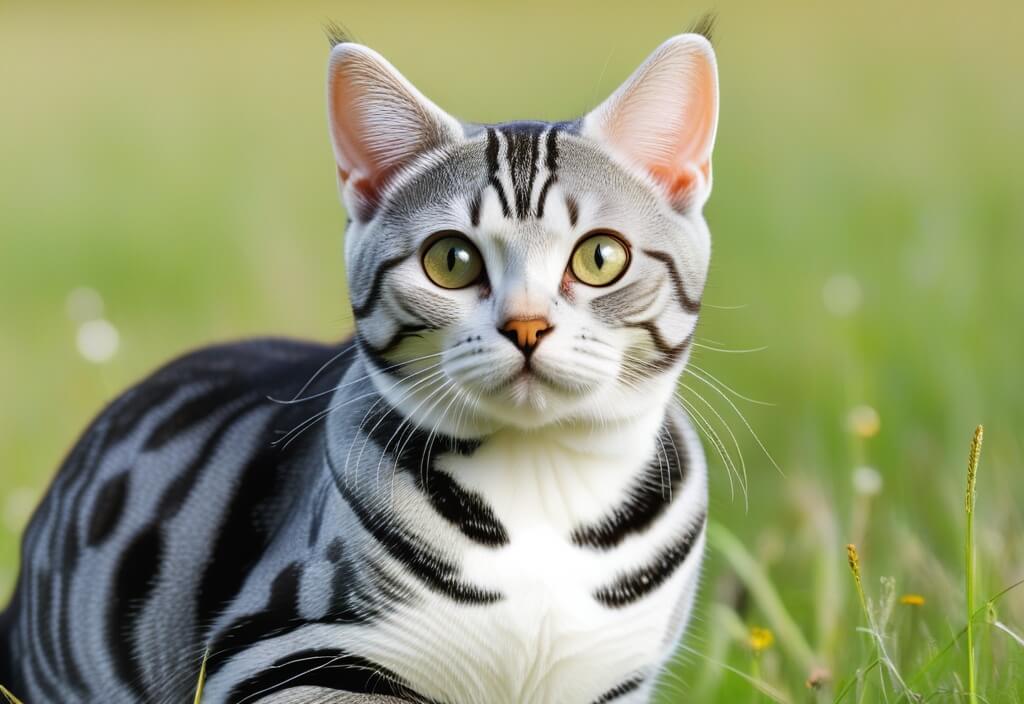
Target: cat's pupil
pixel 598 257
pixel 452 257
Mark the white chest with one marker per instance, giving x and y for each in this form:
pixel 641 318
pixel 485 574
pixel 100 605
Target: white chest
pixel 549 639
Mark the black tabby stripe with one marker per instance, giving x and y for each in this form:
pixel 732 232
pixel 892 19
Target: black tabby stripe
pixel 423 563
pixel 133 408
pixel 638 583
pixel 688 304
pixel 551 164
pixel 474 209
pixel 133 581
pixel 189 414
pixel 417 453
pixel 378 355
pixel 82 456
pixel 46 655
pixel 279 616
pixel 107 508
pixel 647 499
pixel 140 564
pixel 670 354
pixel 373 297
pixel 620 690
pixel 316 518
pixel 352 601
pixel 523 140
pixel 173 498
pixel 492 168
pixel 244 532
pixel 464 509
pixel 330 669
pixel 574 210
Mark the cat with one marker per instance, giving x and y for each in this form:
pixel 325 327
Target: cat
pixel 490 494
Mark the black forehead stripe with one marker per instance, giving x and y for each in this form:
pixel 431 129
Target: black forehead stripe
pixel 534 153
pixel 574 210
pixel 474 208
pixel 551 159
pixel 521 154
pixel 492 169
pixel 551 164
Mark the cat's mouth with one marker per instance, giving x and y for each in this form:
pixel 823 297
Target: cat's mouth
pixel 532 385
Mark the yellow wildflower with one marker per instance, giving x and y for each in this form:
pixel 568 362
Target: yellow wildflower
pixel 760 639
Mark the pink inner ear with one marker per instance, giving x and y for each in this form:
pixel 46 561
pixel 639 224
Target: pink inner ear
pixel 687 164
pixel 680 182
pixel 664 117
pixel 379 123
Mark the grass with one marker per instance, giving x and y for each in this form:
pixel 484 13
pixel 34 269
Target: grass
pixel 8 697
pixel 970 501
pixel 866 221
pixel 201 681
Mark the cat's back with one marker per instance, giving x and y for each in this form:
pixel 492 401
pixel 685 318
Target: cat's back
pixel 150 526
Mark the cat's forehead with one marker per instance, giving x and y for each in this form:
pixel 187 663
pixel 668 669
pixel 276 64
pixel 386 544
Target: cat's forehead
pixel 521 173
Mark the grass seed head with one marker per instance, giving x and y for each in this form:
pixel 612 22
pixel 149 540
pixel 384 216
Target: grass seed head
pixel 854 558
pixel 972 468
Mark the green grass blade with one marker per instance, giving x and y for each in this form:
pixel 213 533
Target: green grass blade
pixel 969 502
pixel 11 699
pixel 202 678
pixel 761 588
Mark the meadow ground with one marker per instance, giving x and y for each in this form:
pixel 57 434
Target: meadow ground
pixel 869 236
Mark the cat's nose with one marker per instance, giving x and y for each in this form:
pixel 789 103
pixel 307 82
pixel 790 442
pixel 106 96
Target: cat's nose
pixel 526 333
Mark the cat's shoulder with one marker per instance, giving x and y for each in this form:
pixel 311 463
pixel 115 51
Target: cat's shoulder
pixel 197 383
pixel 268 364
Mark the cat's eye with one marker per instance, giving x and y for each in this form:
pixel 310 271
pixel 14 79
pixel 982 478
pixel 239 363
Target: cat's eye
pixel 599 260
pixel 451 261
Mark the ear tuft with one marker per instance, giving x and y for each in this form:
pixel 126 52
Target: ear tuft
pixel 705 26
pixel 379 123
pixel 664 117
pixel 337 33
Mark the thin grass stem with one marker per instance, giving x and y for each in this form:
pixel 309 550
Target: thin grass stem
pixel 202 678
pixel 969 502
pixel 11 699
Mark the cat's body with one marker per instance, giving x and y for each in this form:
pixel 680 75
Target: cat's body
pixel 461 514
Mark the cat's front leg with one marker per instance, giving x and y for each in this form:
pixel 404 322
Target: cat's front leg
pixel 322 695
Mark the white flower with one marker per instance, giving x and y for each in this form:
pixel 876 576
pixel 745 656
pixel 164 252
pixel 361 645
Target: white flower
pixel 842 295
pixel 863 421
pixel 867 481
pixel 98 340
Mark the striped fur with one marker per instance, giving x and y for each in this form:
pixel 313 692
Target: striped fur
pixel 421 513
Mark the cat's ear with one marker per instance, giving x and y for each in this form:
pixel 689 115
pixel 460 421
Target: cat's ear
pixel 663 119
pixel 379 124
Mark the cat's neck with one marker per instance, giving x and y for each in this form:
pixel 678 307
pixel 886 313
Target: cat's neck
pixel 568 472
pixel 454 414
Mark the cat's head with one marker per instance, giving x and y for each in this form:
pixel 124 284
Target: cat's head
pixel 526 273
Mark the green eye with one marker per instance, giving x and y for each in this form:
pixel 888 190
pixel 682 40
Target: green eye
pixel 452 262
pixel 599 260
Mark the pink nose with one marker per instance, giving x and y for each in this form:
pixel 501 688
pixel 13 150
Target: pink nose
pixel 526 334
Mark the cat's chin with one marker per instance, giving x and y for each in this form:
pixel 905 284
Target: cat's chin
pixel 529 400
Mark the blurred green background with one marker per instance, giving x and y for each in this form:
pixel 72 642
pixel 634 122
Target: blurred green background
pixel 166 168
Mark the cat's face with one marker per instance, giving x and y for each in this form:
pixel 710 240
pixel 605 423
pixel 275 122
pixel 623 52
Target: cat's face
pixel 526 274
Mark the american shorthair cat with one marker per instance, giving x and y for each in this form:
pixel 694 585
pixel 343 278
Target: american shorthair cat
pixel 489 495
